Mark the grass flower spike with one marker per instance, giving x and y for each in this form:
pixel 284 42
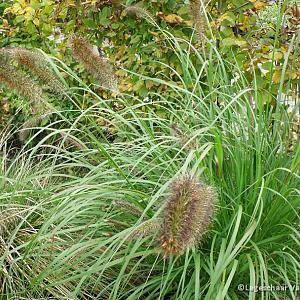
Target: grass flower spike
pixel 38 65
pixel 187 215
pixel 146 228
pixel 96 65
pixel 198 18
pixel 138 12
pixel 23 85
pixel 9 218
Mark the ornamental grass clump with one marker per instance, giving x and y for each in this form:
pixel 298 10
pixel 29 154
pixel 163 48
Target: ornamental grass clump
pixel 187 215
pixel 96 65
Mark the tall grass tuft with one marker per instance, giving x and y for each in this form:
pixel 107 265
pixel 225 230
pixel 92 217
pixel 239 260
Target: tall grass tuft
pixel 187 214
pixel 75 242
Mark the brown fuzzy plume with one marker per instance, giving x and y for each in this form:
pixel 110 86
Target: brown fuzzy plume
pixel 138 12
pixel 198 18
pixel 129 207
pixel 23 85
pixel 38 65
pixel 187 215
pixel 146 228
pixel 96 65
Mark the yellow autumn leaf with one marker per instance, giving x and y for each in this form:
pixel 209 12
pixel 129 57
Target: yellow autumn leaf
pixel 71 3
pixel 244 26
pixel 173 19
pixel 259 5
pixel 16 9
pixel 36 21
pixel 188 23
pixel 223 17
pixel 284 48
pixel 265 48
pixel 5 23
pixel 291 74
pixel 226 17
pixel 29 13
pixel 277 55
pixel 276 76
pixel 154 33
pixel 22 3
pixel 241 42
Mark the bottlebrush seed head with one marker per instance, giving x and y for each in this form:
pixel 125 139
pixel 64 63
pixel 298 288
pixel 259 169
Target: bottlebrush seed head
pixel 129 207
pixel 183 137
pixel 38 65
pixel 96 65
pixel 138 12
pixel 147 228
pixel 23 85
pixel 198 18
pixel 187 215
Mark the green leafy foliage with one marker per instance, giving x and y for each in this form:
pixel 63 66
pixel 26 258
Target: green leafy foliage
pixel 260 39
pixel 241 29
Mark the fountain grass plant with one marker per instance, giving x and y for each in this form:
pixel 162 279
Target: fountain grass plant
pixel 71 234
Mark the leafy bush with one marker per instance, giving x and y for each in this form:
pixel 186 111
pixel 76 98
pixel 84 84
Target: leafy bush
pixel 236 27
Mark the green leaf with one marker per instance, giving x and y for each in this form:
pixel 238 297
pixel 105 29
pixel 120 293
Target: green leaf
pixel 228 42
pixel 90 23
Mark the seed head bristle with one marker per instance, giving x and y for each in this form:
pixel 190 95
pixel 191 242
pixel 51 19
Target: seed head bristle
pixel 23 85
pixel 187 215
pixel 38 65
pixel 198 18
pixel 96 65
pixel 129 207
pixel 183 137
pixel 138 12
pixel 145 229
